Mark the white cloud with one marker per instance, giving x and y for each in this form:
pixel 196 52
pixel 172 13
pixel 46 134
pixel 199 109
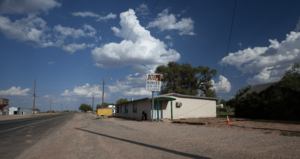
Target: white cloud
pixel 142 10
pixel 85 14
pixel 222 87
pixel 269 61
pixel 108 16
pixel 138 92
pixel 86 91
pixel 183 11
pixel 91 14
pixel 168 37
pixel 165 21
pixel 67 31
pixel 74 47
pixel 15 91
pixel 170 44
pixel 32 7
pixel 63 32
pixel 140 48
pixel 49 63
pixel 26 29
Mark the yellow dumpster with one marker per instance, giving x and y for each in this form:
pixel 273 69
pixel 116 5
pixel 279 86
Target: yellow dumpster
pixel 104 111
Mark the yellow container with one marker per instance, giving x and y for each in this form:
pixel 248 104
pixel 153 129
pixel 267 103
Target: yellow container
pixel 104 111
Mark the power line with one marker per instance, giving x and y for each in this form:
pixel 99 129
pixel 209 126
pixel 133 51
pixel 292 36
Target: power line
pixel 228 46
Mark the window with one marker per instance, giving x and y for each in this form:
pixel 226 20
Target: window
pixel 134 108
pixel 120 109
pixel 126 108
pixel 117 109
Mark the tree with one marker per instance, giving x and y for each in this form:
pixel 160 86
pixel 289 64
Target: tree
pixel 223 102
pixel 233 102
pixel 291 78
pixel 121 100
pixel 185 79
pixel 105 105
pixel 84 107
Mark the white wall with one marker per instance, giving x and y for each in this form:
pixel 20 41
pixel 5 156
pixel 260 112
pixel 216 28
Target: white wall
pixel 191 108
pixel 12 109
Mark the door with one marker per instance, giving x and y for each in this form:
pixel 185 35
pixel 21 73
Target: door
pixel 155 110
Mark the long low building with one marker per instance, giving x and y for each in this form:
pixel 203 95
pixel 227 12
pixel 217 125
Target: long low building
pixel 20 110
pixel 170 106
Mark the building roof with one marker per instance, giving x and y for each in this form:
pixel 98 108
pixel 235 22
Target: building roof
pixel 168 96
pixel 258 88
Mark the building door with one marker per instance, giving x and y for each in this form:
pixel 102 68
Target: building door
pixel 15 112
pixel 155 110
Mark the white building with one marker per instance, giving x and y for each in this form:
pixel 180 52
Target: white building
pixel 170 106
pixel 112 106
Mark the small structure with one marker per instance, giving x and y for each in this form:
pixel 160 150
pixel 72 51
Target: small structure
pixel 113 107
pixel 105 111
pixel 4 106
pixel 168 106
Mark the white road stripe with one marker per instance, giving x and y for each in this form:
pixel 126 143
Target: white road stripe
pixel 29 124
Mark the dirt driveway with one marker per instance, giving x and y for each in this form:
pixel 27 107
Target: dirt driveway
pixel 85 137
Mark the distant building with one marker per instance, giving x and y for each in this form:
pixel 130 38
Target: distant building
pixel 112 106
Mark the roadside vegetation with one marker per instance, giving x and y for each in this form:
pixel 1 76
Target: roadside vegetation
pixel 185 79
pixel 279 102
pixel 84 107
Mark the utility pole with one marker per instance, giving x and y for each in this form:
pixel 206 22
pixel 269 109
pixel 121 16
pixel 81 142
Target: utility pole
pixel 50 106
pixel 61 107
pixel 93 106
pixel 33 110
pixel 103 94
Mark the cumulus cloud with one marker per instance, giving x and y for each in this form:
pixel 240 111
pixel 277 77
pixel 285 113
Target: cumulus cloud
pixel 168 37
pixel 269 61
pixel 142 9
pixel 64 32
pixel 91 14
pixel 165 21
pixel 32 7
pixel 140 47
pixel 49 63
pixel 86 91
pixel 15 91
pixel 74 47
pixel 223 86
pixel 26 29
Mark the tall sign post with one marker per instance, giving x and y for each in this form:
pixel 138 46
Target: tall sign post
pixel 153 84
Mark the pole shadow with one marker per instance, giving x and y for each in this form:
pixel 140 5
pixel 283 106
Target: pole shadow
pixel 147 145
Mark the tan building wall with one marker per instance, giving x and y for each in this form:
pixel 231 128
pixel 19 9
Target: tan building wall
pixel 191 108
pixel 141 106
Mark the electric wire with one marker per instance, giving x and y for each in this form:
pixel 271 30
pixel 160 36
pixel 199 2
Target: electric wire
pixel 227 47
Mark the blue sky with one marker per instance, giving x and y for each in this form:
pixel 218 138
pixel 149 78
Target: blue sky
pixel 70 46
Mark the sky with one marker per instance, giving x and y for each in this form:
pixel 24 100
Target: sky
pixel 71 46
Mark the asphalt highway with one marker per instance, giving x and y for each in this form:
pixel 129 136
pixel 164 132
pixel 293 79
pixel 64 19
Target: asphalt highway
pixel 19 134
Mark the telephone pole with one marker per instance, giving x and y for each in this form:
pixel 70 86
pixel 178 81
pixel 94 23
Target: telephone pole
pixel 33 110
pixel 103 94
pixel 50 106
pixel 61 107
pixel 93 106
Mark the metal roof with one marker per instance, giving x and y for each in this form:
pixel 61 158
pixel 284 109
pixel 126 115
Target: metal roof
pixel 170 94
pixel 258 88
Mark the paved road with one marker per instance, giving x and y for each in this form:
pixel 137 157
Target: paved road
pixel 19 134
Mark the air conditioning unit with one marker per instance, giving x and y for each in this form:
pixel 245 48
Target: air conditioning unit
pixel 178 104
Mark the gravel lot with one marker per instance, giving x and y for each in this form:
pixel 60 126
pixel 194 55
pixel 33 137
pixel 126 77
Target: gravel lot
pixel 85 137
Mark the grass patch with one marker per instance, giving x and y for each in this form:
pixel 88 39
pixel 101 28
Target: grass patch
pixel 267 132
pixel 225 113
pixel 284 133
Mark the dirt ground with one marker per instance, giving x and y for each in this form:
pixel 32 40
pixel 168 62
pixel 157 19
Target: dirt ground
pixel 86 137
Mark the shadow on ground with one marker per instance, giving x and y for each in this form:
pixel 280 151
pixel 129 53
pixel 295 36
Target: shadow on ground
pixel 147 145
